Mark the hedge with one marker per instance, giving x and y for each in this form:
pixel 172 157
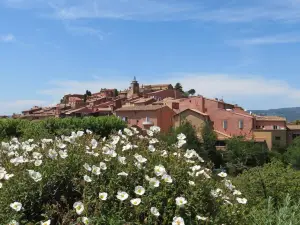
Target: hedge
pixel 52 127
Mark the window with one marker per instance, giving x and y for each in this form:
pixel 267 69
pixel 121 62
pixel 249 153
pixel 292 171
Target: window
pixel 225 124
pixel 125 119
pixel 275 128
pixel 277 138
pixel 241 124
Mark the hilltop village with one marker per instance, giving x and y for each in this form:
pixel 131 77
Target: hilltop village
pixel 164 106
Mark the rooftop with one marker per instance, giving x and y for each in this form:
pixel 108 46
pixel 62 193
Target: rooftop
pixel 194 110
pixel 269 118
pixel 293 127
pixel 141 108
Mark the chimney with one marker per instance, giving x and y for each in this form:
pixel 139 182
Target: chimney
pixel 175 105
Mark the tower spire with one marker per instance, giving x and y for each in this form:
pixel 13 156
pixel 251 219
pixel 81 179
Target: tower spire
pixel 134 78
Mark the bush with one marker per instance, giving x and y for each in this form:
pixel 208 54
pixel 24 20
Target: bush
pixel 286 213
pixel 274 180
pixel 49 176
pixel 52 127
pixel 242 154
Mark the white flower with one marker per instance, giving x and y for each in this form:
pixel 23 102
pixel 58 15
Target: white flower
pixel 122 195
pixel 63 154
pixel 192 183
pixel 151 148
pixel 123 174
pixel 242 200
pixel 177 221
pixel 96 170
pixel 216 193
pixel 79 207
pixel 164 153
pixel 94 143
pixel 153 141
pixel 135 201
pixel 61 145
pixel 190 153
pixel 181 137
pixel 154 182
pixel 222 174
pixel 201 218
pixel 85 220
pixel 88 131
pixel 103 196
pixel 17 206
pixel 87 178
pixel 115 139
pixel 122 160
pixel 37 155
pixel 87 167
pixel 1 185
pixel 36 176
pixel 154 211
pixel 155 129
pixel 48 222
pixel 52 154
pixel 139 190
pixel 181 143
pixel 38 162
pixel 150 133
pixel 236 192
pixel 195 168
pixel 159 170
pixel 167 178
pixel 127 147
pixel 128 132
pixel 180 201
pixel 103 166
pixel 140 158
pixel 80 133
pixel 13 222
pixel 8 176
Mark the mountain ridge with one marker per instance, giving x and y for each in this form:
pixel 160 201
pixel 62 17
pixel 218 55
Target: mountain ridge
pixel 291 114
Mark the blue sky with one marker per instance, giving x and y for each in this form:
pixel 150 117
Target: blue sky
pixel 247 52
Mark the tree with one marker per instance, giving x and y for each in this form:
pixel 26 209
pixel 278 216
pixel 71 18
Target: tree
pixel 178 87
pixel 242 154
pixel 292 154
pixel 116 92
pixel 192 92
pixel 88 93
pixel 209 139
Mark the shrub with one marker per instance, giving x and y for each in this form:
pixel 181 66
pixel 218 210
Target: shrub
pixel 274 180
pixel 286 213
pixel 52 127
pixel 66 179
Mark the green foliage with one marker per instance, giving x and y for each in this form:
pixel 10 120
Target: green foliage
pixel 286 213
pixel 178 87
pixel 116 92
pixel 292 155
pixel 209 139
pixel 192 92
pixel 242 154
pixel 274 180
pixel 62 184
pixel 51 127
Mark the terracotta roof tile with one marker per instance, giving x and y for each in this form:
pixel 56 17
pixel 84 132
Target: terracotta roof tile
pixel 270 118
pixel 141 108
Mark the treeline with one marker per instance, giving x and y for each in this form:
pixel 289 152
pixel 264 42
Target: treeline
pixel 52 127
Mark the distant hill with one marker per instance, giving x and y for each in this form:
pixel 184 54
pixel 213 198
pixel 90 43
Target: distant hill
pixel 291 114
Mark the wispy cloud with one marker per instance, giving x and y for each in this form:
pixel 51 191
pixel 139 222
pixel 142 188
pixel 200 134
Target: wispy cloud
pixel 85 30
pixel 7 38
pixel 268 40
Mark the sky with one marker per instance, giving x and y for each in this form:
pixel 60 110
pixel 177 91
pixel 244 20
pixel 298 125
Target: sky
pixel 246 52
